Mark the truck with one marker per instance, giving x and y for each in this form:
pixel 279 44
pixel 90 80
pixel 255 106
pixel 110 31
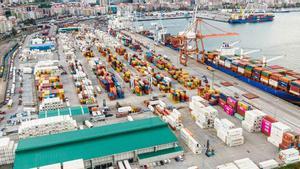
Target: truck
pixel 88 124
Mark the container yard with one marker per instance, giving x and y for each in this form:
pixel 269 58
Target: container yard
pixel 92 99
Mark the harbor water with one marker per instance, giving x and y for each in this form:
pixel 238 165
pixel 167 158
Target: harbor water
pixel 280 37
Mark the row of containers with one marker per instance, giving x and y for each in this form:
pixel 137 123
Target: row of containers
pixel 107 80
pixel 116 64
pixel 138 86
pixel 84 87
pixel 254 120
pixel 128 42
pixel 158 79
pixel 183 77
pixel 274 76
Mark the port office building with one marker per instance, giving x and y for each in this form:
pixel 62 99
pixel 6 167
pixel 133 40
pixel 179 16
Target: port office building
pixel 144 141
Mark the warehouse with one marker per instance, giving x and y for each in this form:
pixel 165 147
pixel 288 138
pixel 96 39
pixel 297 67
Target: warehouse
pixel 44 46
pixel 68 29
pixel 146 139
pixel 79 113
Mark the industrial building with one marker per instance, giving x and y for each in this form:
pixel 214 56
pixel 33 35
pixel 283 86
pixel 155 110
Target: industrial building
pixel 145 141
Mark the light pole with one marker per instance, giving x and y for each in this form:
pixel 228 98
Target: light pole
pixel 213 76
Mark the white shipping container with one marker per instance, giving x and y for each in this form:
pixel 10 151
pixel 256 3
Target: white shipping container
pixel 74 164
pixel 273 82
pixel 227 166
pixel 126 164
pixel 269 164
pixel 190 141
pixel 241 70
pixel 245 163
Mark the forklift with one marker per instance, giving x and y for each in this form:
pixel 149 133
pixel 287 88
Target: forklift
pixel 209 152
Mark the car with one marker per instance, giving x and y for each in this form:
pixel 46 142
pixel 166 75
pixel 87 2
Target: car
pixel 179 158
pixel 2 112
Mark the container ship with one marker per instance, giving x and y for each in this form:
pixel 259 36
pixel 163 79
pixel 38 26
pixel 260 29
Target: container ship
pixel 250 18
pixel 276 80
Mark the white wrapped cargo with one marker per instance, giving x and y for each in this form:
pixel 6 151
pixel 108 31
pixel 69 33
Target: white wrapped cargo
pixel 227 166
pixel 269 164
pixel 51 166
pixel 289 156
pixel 253 120
pixel 189 140
pixel 245 163
pixel 172 122
pixel 45 126
pixel 74 164
pixel 278 129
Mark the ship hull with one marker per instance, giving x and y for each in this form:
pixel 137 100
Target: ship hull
pixel 281 94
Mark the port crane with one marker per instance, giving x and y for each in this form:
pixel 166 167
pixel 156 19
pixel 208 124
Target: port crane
pixel 192 35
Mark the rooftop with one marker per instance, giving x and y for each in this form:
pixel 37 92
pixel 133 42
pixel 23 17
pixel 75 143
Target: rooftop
pixel 72 111
pixel 92 143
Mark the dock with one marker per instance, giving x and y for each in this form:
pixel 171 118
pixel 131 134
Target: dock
pixel 272 105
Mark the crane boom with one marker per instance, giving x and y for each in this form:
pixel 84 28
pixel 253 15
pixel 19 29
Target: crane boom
pixel 192 34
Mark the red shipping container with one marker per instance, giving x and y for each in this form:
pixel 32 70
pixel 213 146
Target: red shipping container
pixel 266 125
pixel 221 102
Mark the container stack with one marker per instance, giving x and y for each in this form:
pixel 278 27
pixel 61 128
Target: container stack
pixel 290 140
pixel 164 83
pixel 253 120
pixel 295 87
pixel 230 106
pixel 46 126
pixel 266 125
pixel 7 151
pixel 140 65
pixel 190 141
pixel 48 85
pixel 51 104
pixel 205 116
pixel 289 156
pixel 245 163
pixel 241 109
pixel 178 95
pixel 174 119
pixel 276 136
pixel 108 81
pixel 196 103
pixel 140 86
pixel 227 132
pixel 183 77
pixel 275 76
pixel 85 90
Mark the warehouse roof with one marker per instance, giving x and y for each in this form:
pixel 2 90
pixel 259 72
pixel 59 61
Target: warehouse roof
pixel 72 111
pixel 92 143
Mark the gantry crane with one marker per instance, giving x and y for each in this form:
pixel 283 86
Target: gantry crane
pixel 192 35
